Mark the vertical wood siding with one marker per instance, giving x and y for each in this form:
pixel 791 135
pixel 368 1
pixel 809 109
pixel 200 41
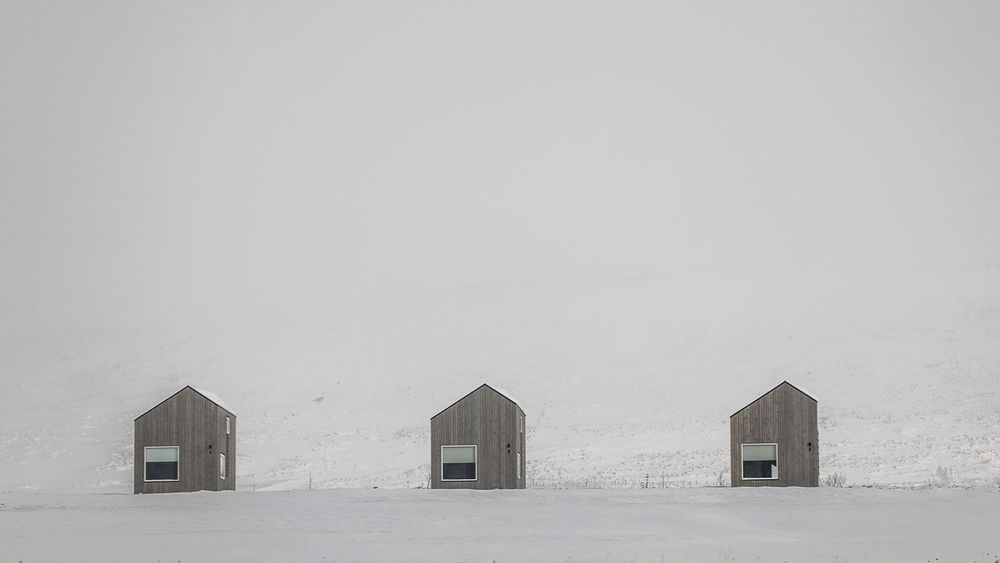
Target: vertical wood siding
pixel 489 421
pixel 787 417
pixel 198 427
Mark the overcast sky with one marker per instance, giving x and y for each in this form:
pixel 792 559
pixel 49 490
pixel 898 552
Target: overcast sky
pixel 164 161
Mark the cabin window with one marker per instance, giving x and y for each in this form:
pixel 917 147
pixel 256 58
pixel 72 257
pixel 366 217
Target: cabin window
pixel 760 461
pixel 161 463
pixel 227 426
pixel 519 466
pixel 222 465
pixel 458 463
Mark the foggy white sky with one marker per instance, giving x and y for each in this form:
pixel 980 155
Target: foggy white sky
pixel 169 161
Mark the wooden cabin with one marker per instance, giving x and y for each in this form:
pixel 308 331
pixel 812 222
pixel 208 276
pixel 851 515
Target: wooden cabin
pixel 186 443
pixel 478 442
pixel 774 441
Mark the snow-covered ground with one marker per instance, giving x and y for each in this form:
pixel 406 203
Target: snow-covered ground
pixel 711 525
pixel 624 381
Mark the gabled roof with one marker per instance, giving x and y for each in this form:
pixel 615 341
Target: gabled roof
pixel 502 393
pixel 810 395
pixel 206 394
pixel 506 395
pixel 214 398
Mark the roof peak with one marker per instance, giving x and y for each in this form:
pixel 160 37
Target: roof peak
pixel 207 395
pixel 771 390
pixel 496 390
pixel 503 392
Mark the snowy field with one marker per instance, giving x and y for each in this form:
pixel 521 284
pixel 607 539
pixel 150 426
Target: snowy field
pixel 704 524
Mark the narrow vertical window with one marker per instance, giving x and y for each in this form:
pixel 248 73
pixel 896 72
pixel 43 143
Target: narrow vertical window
pixel 227 426
pixel 161 463
pixel 222 465
pixel 519 466
pixel 458 463
pixel 760 461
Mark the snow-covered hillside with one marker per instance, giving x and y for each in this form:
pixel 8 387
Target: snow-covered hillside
pixel 625 380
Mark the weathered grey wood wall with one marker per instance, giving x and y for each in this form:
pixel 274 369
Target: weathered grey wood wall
pixel 488 420
pixel 197 426
pixel 785 416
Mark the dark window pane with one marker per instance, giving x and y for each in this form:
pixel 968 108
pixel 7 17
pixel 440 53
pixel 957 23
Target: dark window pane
pixel 158 470
pixel 757 469
pixel 459 471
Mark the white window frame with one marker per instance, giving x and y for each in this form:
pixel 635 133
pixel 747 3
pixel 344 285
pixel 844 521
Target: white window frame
pixel 227 426
pixel 222 466
pixel 144 449
pixel 775 461
pixel 475 452
pixel 518 466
